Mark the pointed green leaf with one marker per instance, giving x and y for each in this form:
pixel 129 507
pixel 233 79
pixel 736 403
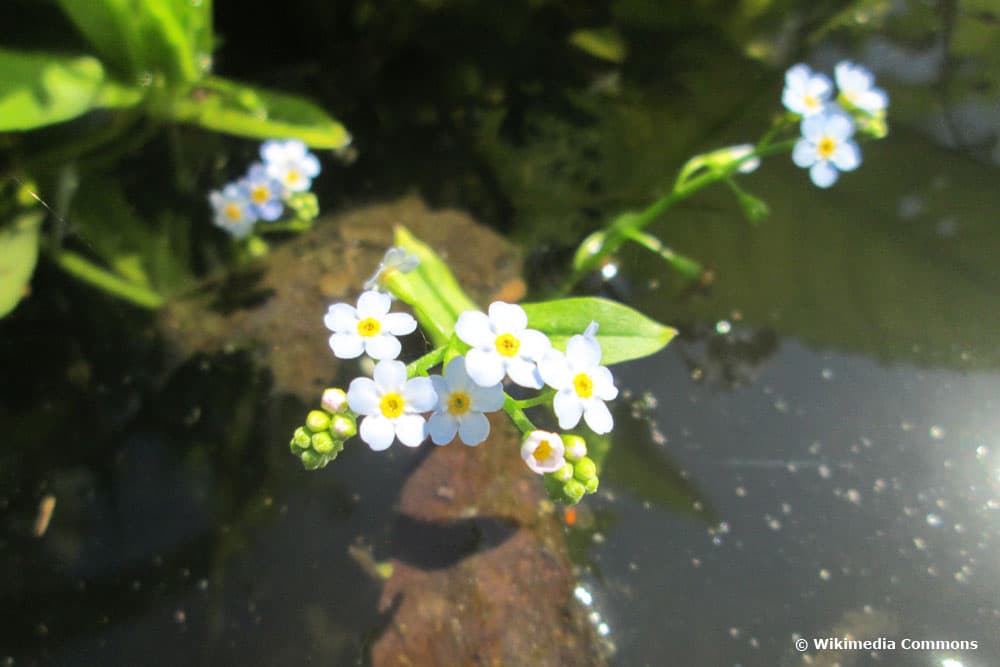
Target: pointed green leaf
pixel 624 333
pixel 18 254
pixel 39 89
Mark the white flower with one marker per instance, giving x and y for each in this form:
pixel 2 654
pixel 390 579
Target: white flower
pixel 290 163
pixel 805 93
pixel 369 328
pixel 502 344
pixel 395 259
pixel 857 87
pixel 461 404
pixel 739 154
pixel 234 212
pixel 826 147
pixel 543 452
pixel 581 383
pixel 391 405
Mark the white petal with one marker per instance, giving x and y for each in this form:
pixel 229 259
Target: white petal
pixel 373 304
pixel 399 324
pixel 813 127
pixel 309 166
pixel 792 100
pixel 486 399
pixel 873 100
pixel 474 428
pixel 524 373
pixel 473 328
pixel 442 389
pixel 390 375
pixel 819 86
pixel 507 317
pixel 554 369
pixel 847 156
pixel 294 150
pixel 598 417
pixel 823 174
pixel 411 429
pixel 484 366
pixel 347 345
pixel 382 346
pixel 804 153
pixel 604 383
pixel 377 431
pixel 363 396
pixel 567 407
pixel 583 352
pixel 419 395
pixel 534 344
pixel 442 427
pixel 456 375
pixel 797 76
pixel 272 151
pixel 839 126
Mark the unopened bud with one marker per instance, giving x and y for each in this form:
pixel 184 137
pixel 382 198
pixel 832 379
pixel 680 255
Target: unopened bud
pixel 311 460
pixel 585 469
pixel 573 491
pixel 317 421
pixel 565 473
pixel 576 447
pixel 334 400
pixel 591 485
pixel 300 439
pixel 323 442
pixel 343 426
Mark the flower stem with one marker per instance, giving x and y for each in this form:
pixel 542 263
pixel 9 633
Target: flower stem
pixel 88 272
pixel 516 414
pixel 426 362
pixel 537 400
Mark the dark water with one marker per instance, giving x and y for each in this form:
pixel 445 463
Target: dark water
pixel 816 454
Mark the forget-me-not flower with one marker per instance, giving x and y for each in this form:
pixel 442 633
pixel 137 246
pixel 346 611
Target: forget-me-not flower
pixel 290 163
pixel 369 328
pixel 391 405
pixel 395 259
pixel 826 147
pixel 582 385
pixel 543 452
pixel 264 191
pixel 461 404
pixel 857 87
pixel 806 93
pixel 234 212
pixel 502 344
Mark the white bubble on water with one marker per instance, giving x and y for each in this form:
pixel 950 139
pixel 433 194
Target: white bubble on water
pixel 933 520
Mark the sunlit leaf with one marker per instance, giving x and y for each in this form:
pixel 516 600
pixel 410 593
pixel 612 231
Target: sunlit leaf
pixel 604 43
pixel 18 254
pixel 624 333
pixel 39 89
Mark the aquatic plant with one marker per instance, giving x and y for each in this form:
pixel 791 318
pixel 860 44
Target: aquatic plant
pixel 561 343
pixel 826 145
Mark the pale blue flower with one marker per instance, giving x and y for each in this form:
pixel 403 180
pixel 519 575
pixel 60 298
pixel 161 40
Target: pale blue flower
pixel 233 210
pixel 582 385
pixel 391 405
pixel 461 404
pixel 290 163
pixel 805 93
pixel 370 328
pixel 857 88
pixel 265 192
pixel 826 147
pixel 502 344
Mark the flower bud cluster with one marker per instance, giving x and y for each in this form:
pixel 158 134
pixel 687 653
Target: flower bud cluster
pixel 321 438
pixel 576 477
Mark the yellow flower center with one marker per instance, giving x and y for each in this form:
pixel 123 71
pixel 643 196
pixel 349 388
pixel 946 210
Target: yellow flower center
pixel 459 403
pixel 543 451
pixel 292 177
pixel 260 195
pixel 826 147
pixel 584 385
pixel 811 102
pixel 233 212
pixel 369 327
pixel 392 405
pixel 507 345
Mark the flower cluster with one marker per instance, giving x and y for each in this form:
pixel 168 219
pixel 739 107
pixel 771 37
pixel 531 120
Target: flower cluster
pixel 322 437
pixel 281 180
pixel 828 125
pixel 406 404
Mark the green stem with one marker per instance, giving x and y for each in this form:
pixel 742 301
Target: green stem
pixel 537 400
pixel 294 225
pixel 88 272
pixel 517 415
pixel 689 268
pixel 426 362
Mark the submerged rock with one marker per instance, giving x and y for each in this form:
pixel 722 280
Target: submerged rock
pixel 505 596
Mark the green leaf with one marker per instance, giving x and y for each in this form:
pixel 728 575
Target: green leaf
pixel 39 89
pixel 604 43
pixel 431 289
pixel 18 254
pixel 624 333
pixel 226 106
pixel 154 36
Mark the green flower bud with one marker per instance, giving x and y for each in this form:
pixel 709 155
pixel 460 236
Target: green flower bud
pixel 300 439
pixel 313 461
pixel 334 400
pixel 343 426
pixel 576 447
pixel 305 205
pixel 553 487
pixel 585 469
pixel 591 485
pixel 565 473
pixel 573 491
pixel 317 421
pixel 323 443
pixel 256 247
